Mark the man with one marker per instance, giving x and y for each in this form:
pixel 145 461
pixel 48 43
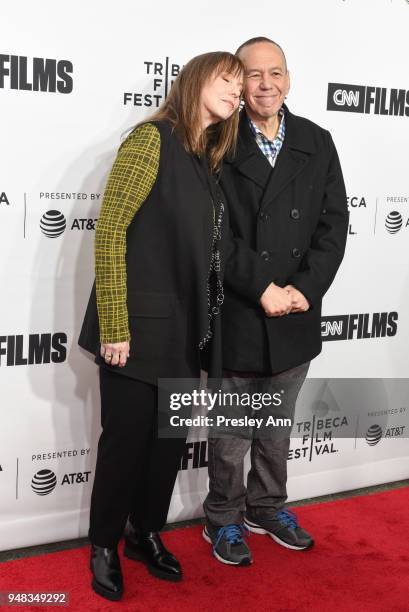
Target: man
pixel 288 214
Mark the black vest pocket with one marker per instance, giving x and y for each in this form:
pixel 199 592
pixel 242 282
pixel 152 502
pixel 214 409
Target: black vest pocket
pixel 152 325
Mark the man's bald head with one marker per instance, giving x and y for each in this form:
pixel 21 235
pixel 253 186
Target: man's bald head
pixel 260 39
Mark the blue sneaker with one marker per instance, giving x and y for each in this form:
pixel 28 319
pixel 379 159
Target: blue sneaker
pixel 228 543
pixel 282 527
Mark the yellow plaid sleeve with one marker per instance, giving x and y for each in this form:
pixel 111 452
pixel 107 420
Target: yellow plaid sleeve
pixel 129 184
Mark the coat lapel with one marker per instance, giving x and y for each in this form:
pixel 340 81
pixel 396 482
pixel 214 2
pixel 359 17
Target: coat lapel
pixel 256 168
pixel 289 164
pixel 292 159
pixel 249 160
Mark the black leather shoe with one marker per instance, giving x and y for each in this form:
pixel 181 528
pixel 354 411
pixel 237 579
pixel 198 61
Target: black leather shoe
pixel 149 548
pixel 106 572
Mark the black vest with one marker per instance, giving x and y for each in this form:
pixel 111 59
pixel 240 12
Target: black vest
pixel 168 258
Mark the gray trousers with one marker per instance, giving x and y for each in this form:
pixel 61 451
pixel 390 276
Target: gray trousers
pixel 266 490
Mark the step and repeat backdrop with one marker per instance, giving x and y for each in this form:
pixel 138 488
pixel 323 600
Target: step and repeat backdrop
pixel 73 79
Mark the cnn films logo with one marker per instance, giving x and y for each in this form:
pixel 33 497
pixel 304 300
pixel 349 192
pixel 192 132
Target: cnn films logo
pixel 45 481
pixel 163 74
pixel 36 74
pixel 53 223
pixel 33 349
pixel 194 456
pixel 375 433
pixel 366 99
pixel 359 326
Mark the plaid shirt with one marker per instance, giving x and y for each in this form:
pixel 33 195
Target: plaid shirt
pixel 270 148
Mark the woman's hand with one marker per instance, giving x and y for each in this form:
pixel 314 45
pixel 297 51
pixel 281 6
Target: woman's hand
pixel 116 353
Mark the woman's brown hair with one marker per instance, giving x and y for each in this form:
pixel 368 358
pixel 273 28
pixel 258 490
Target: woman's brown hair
pixel 182 107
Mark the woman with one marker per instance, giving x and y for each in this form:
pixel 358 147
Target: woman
pixel 153 310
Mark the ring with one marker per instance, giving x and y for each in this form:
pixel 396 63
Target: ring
pixel 108 356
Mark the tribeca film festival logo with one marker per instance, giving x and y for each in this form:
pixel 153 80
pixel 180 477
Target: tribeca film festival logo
pixel 163 73
pixel 355 203
pixel 4 199
pixel 36 74
pixel 367 99
pixel 33 349
pixel 317 435
pixel 359 326
pixel 45 481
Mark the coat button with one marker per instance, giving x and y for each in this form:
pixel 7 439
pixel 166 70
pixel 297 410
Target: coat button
pixel 264 216
pixel 324 211
pixel 295 253
pixel 295 213
pixel 265 255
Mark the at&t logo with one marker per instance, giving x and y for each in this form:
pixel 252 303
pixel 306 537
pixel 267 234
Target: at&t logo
pixel 44 482
pixel 393 222
pixel 76 478
pixel 53 224
pixel 373 435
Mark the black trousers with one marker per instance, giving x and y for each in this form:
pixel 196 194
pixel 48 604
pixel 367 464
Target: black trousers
pixel 135 471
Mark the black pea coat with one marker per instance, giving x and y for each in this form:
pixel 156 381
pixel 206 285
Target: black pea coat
pixel 290 226
pixel 168 258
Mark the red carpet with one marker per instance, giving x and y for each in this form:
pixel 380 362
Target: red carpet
pixel 360 562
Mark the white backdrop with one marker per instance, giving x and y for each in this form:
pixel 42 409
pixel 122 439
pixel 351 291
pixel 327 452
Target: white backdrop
pixel 56 151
